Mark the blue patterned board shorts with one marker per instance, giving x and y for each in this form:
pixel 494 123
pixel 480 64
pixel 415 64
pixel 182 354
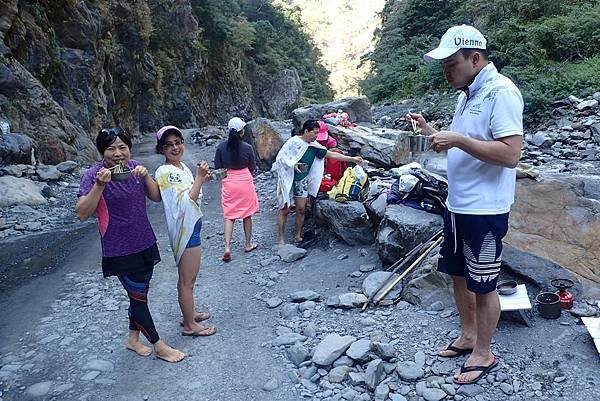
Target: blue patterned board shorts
pixel 195 238
pixel 300 188
pixel 472 248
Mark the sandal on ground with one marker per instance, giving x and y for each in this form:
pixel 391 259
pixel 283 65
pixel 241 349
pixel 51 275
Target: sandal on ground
pixel 252 247
pixel 200 316
pixel 205 332
pixel 457 351
pixel 483 369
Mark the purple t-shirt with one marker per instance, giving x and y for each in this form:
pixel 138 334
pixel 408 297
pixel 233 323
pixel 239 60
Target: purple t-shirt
pixel 122 219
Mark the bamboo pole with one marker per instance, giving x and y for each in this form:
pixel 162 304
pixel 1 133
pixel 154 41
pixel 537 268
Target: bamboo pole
pixel 398 265
pixel 408 269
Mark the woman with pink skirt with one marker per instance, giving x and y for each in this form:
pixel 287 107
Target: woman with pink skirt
pixel 238 195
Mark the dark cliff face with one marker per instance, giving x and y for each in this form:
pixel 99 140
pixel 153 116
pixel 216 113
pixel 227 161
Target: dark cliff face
pixel 69 67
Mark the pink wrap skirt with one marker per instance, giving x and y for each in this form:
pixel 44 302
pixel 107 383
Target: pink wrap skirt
pixel 238 195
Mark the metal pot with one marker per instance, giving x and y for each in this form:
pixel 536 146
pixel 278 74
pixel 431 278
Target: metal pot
pixel 548 305
pixel 419 143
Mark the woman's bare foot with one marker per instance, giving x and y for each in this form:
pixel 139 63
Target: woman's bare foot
pixel 166 353
pixel 250 247
pixel 134 344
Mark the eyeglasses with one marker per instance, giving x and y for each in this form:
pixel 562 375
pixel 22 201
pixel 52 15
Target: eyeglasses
pixel 111 131
pixel 170 145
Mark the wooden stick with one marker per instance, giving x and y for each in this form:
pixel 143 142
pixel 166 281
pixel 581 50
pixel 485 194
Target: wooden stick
pixel 408 269
pixel 398 265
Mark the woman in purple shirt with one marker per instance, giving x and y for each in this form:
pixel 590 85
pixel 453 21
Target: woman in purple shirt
pixel 129 248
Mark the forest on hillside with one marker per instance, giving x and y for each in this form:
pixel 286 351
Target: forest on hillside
pixel 550 48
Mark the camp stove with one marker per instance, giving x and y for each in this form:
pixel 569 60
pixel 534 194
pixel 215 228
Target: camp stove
pixel 566 298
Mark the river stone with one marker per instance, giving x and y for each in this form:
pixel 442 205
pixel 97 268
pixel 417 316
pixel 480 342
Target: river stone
pixel 587 104
pixel 356 378
pixel 409 371
pixel 290 253
pixel 347 300
pixel 20 191
pixel 273 302
pixel 288 339
pixel 67 166
pixel 397 397
pixel 305 295
pixel 349 221
pixel 385 351
pixel 99 364
pixel 402 229
pixel 433 394
pixel 381 392
pixel 339 373
pixel 331 348
pixel 471 390
pixel 297 353
pixel 343 361
pixel 374 374
pixel 38 389
pixel 271 385
pixel 15 149
pixel 374 281
pixel 359 350
pixel 48 173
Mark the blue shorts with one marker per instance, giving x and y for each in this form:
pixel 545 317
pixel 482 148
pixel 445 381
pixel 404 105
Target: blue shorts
pixel 472 248
pixel 195 238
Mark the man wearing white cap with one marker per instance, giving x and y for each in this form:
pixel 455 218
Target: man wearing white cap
pixel 484 146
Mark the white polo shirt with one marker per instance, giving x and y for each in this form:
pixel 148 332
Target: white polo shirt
pixel 491 108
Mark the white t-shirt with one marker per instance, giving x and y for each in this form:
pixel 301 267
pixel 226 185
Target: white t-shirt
pixel 493 109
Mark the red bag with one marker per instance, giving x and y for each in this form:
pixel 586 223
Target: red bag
pixel 327 184
pixel 335 168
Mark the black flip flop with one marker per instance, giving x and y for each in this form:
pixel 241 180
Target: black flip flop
pixel 458 351
pixel 483 369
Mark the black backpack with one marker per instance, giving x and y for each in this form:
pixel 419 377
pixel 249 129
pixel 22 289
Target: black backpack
pixel 428 194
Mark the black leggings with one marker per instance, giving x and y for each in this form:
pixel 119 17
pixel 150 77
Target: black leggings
pixel 137 286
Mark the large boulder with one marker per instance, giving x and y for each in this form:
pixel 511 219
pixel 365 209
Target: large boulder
pixel 358 109
pixel 267 137
pixel 15 149
pixel 19 191
pixel 403 228
pixel 425 285
pixel 281 95
pixel 558 219
pixel 348 220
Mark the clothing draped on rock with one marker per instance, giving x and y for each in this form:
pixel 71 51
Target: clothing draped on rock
pixel 291 152
pixel 181 211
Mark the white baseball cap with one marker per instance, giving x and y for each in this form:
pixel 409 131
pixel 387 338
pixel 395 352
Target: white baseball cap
pixel 236 123
pixel 456 38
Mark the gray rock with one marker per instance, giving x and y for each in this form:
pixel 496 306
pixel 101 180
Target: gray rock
pixel 289 310
pixel 381 392
pixel 356 378
pixel 343 361
pixel 271 385
pixel 297 353
pixel 366 268
pixel 348 220
pixel 307 306
pixel 339 373
pixel 11 169
pixel 358 109
pixel 48 173
pixel 289 339
pixel 99 364
pixel 583 310
pixel 346 301
pixel 290 253
pixel 331 348
pixel 91 375
pixel 305 295
pixel 281 94
pixel 359 350
pixel 587 104
pixel 402 229
pixel 274 302
pixel 385 351
pixel 397 397
pixel 67 166
pixel 15 149
pixel 541 139
pixel 506 388
pixel 38 389
pixel 20 191
pixel 433 394
pixel 267 137
pixel 374 281
pixel 437 306
pixel 374 374
pixel 470 391
pixel 309 385
pixel 449 389
pixel 409 371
